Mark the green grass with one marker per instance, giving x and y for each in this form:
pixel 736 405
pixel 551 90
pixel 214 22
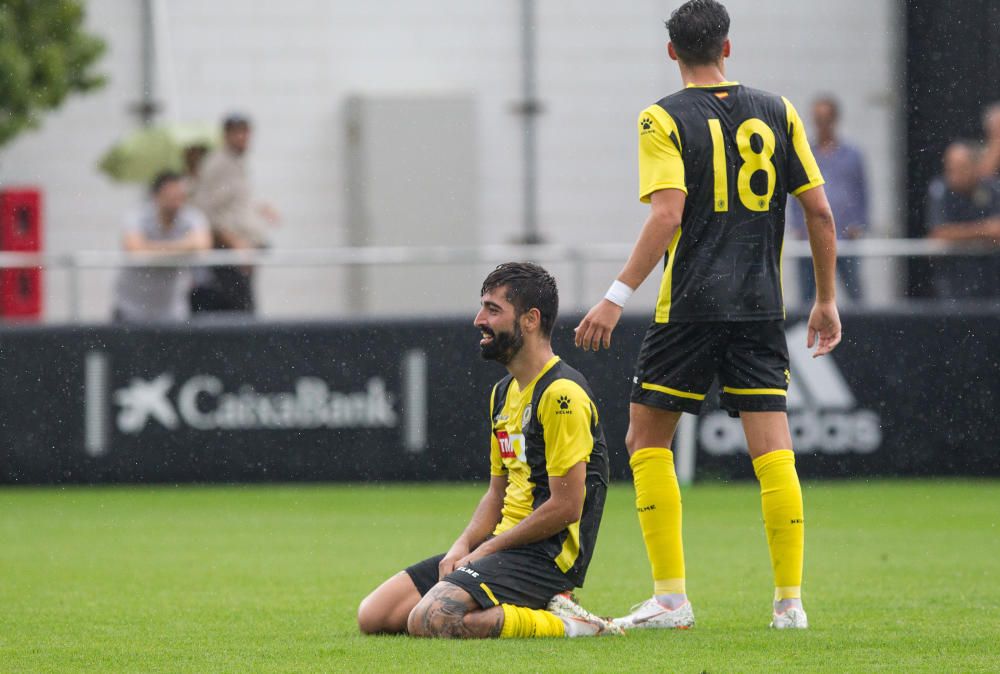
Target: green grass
pixel 900 576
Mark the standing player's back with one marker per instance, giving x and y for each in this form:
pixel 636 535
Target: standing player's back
pixel 716 164
pixel 737 152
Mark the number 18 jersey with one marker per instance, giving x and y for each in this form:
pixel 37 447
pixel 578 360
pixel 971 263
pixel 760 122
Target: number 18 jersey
pixel 737 153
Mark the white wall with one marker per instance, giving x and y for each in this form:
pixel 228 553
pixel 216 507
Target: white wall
pixel 292 64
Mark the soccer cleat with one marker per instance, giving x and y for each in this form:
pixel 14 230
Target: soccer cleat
pixel 652 614
pixel 579 621
pixel 791 618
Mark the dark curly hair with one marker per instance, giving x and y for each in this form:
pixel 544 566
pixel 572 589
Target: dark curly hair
pixel 163 178
pixel 528 286
pixel 698 29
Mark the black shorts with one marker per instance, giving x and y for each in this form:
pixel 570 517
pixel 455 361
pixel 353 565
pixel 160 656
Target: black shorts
pixel 522 577
pixel 679 361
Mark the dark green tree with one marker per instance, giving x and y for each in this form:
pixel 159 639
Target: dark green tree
pixel 45 55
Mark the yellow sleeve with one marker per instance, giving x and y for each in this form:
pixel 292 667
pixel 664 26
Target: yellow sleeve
pixel 803 172
pixel 660 164
pixel 566 413
pixel 496 463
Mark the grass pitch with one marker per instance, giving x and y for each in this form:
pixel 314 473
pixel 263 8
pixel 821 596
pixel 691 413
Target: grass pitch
pixel 900 576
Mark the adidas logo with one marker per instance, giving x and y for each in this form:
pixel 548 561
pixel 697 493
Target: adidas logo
pixel 823 413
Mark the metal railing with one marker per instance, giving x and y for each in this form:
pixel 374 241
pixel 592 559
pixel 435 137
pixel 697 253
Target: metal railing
pixel 578 256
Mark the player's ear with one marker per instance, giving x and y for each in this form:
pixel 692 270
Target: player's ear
pixel 672 53
pixel 727 48
pixel 531 320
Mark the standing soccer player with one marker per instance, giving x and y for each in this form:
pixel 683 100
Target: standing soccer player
pixel 717 161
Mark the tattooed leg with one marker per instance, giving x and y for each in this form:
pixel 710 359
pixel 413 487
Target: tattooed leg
pixel 485 623
pixel 449 612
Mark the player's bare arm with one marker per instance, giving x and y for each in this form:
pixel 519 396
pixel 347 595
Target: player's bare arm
pixel 824 319
pixel 563 507
pixel 666 210
pixel 484 520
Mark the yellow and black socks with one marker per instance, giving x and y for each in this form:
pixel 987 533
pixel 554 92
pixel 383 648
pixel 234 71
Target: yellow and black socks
pixel 781 503
pixel 528 622
pixel 658 501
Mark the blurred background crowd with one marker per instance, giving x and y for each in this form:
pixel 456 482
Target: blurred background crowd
pixel 414 133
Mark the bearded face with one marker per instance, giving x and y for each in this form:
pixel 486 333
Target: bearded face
pixel 501 345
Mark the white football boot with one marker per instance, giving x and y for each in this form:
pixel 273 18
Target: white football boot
pixel 793 618
pixel 652 614
pixel 579 621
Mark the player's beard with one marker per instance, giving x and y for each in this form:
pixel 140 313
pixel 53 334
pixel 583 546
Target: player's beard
pixel 504 345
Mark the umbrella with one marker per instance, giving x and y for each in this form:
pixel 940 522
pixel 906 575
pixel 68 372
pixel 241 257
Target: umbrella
pixel 146 152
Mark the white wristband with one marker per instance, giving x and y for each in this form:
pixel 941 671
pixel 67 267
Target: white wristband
pixel 618 293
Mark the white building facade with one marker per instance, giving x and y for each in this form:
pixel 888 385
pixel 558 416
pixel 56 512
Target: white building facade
pixel 294 65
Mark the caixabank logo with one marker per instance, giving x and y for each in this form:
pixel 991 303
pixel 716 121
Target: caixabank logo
pixel 823 413
pixel 199 401
pixel 203 402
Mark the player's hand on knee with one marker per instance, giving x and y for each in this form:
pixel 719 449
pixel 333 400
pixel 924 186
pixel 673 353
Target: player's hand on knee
pixel 476 554
pixel 824 328
pixel 450 561
pixel 596 327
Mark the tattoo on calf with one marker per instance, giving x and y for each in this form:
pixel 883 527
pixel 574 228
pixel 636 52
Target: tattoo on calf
pixel 496 627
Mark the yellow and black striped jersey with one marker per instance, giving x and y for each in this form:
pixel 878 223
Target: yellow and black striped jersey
pixel 541 431
pixel 737 153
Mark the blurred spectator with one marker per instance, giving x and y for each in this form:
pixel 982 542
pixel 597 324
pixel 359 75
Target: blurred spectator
pixel 846 188
pixel 963 206
pixel 223 191
pixel 989 161
pixel 194 155
pixel 165 224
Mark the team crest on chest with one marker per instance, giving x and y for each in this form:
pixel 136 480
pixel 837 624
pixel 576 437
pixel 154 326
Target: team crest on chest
pixel 526 417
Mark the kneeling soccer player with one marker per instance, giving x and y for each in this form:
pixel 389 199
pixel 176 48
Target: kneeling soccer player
pixel 532 536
